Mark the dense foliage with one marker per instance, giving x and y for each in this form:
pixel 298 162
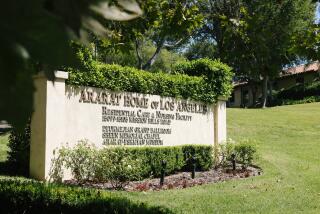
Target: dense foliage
pixel 25 196
pixel 200 48
pixel 256 38
pixel 213 80
pixel 165 24
pixel 311 99
pixel 19 151
pixel 300 91
pixel 298 94
pixel 119 165
pixel 112 55
pixel 29 29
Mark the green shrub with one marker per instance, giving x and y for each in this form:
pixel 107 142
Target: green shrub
pixel 311 99
pixel 216 74
pixel 298 94
pixel 118 167
pixel 81 160
pixel 87 163
pixel 202 67
pixel 25 196
pixel 152 159
pixel 19 151
pixel 84 55
pixel 203 156
pixel 245 153
pixel 224 152
pixel 118 78
pixel 122 164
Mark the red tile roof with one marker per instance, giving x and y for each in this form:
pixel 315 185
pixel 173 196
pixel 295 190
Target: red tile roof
pixel 312 67
pixel 300 69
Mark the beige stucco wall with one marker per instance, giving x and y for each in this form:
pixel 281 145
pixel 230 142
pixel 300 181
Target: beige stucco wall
pixel 84 120
pixel 38 130
pixel 237 97
pixel 220 121
pixel 65 114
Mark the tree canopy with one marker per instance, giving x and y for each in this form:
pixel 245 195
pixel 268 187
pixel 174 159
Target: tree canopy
pixel 166 24
pixel 35 36
pixel 256 37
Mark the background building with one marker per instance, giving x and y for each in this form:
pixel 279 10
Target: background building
pixel 248 94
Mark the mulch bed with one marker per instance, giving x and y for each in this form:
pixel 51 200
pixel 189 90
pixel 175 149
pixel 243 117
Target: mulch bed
pixel 180 180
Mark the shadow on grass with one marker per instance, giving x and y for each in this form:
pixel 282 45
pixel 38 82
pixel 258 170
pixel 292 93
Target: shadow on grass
pixel 6 169
pixel 10 169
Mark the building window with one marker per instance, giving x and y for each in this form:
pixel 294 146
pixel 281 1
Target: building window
pixel 300 80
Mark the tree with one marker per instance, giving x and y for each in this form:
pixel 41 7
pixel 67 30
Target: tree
pixel 164 62
pixel 167 24
pixel 255 37
pixel 201 48
pixel 35 35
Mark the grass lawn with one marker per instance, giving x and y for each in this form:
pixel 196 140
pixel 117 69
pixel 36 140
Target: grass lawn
pixel 3 147
pixel 288 139
pixel 289 145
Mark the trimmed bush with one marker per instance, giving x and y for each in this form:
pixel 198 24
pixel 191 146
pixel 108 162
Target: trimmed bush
pixel 215 81
pixel 245 153
pixel 203 156
pixel 217 74
pixel 152 159
pixel 26 196
pixel 122 164
pixel 177 158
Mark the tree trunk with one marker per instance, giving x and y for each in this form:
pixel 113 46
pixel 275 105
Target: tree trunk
pixel 270 91
pixel 265 91
pixel 153 58
pixel 138 54
pixel 254 94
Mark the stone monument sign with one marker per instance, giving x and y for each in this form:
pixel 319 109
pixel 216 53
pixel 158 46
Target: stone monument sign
pixel 65 114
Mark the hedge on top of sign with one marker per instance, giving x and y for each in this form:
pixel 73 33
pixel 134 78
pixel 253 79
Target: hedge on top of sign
pixel 200 80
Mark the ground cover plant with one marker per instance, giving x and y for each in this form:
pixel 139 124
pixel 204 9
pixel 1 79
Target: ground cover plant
pixel 288 142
